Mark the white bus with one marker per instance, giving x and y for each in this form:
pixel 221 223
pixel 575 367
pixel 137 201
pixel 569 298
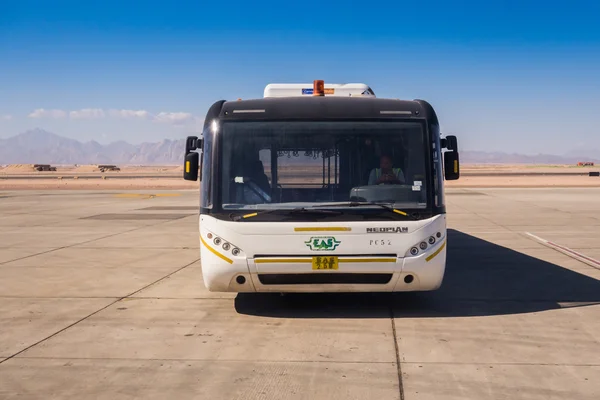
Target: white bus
pixel 322 188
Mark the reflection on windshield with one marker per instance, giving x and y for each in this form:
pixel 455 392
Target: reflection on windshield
pixel 281 165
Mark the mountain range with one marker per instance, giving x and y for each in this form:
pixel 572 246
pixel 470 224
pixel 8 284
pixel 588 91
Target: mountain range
pixel 43 147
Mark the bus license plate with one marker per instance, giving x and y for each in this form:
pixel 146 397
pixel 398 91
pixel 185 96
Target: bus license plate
pixel 325 262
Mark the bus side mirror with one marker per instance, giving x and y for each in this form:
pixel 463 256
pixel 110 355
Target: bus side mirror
pixel 451 165
pixel 450 143
pixel 191 164
pixel 190 169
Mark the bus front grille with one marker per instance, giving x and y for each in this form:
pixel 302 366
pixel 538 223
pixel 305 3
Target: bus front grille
pixel 324 278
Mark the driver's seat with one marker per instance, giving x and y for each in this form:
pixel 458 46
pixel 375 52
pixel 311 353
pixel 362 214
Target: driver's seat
pixel 257 174
pixel 256 189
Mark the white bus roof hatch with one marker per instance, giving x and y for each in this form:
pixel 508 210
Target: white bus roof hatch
pixel 307 89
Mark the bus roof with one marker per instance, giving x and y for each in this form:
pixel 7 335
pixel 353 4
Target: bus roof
pixel 325 107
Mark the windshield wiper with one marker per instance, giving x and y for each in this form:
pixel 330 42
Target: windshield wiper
pixel 299 210
pixel 414 215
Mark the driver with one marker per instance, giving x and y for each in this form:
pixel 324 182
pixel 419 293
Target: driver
pixel 386 173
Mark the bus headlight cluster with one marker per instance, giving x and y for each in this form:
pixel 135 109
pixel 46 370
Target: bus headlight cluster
pixel 422 246
pixel 225 245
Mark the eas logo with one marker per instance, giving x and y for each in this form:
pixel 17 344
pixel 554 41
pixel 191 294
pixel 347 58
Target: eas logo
pixel 322 243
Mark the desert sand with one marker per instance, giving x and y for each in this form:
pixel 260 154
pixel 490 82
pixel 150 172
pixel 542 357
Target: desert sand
pixel 86 177
pixel 543 181
pixel 17 169
pixel 96 184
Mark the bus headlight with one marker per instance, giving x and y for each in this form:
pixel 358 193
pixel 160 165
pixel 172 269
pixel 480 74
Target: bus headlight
pixel 225 245
pixel 423 245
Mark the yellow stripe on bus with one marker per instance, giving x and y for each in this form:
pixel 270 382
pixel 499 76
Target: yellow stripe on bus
pixel 308 260
pixel 431 256
pixel 367 260
pixel 282 260
pixel 216 253
pixel 323 229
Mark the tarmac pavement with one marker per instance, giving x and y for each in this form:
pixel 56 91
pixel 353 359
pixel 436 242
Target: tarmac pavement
pixel 101 296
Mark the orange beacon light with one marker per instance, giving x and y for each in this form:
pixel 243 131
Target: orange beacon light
pixel 319 88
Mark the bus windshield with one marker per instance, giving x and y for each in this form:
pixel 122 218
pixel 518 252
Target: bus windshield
pixel 291 164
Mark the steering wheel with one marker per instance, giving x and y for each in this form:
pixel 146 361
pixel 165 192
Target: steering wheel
pixel 392 181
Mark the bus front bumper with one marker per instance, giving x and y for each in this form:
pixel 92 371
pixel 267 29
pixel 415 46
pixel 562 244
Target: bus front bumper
pixel 351 274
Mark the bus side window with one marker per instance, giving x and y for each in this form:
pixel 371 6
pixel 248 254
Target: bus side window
pixel 205 183
pixel 438 178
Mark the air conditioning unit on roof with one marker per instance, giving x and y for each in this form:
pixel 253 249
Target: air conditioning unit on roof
pixel 307 89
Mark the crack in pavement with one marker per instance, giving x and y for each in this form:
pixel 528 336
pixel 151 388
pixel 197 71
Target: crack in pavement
pixel 96 312
pixel 397 350
pixel 84 242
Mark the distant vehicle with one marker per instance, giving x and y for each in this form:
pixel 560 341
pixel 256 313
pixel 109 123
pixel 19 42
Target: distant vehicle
pixel 585 164
pixel 104 168
pixel 322 188
pixel 44 167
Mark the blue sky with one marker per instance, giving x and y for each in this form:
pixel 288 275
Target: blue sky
pixel 507 76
